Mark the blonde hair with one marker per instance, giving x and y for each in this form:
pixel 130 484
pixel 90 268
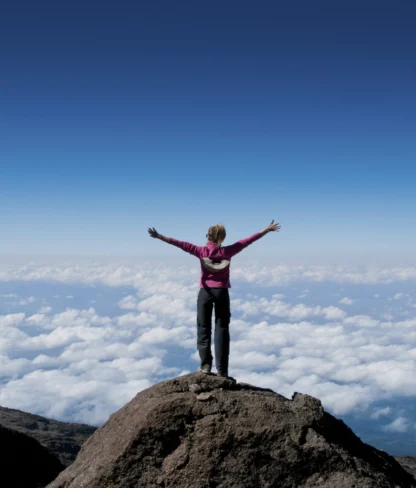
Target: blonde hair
pixel 216 233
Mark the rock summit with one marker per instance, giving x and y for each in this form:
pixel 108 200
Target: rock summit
pixel 203 431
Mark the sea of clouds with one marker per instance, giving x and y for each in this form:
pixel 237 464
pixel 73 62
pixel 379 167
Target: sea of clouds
pixel 78 341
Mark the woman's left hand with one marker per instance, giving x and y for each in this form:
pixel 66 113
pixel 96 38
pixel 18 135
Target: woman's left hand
pixel 153 233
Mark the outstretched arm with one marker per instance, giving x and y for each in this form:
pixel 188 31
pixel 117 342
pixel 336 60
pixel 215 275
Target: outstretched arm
pixel 185 246
pixel 155 234
pixel 243 243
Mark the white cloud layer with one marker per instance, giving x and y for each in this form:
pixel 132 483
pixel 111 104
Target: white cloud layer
pixel 115 274
pixel 81 365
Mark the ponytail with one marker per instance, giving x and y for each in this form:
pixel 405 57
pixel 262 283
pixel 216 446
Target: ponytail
pixel 216 233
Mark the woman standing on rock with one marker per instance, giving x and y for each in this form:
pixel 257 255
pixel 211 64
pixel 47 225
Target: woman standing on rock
pixel 214 283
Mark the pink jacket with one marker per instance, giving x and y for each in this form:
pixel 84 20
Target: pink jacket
pixel 215 261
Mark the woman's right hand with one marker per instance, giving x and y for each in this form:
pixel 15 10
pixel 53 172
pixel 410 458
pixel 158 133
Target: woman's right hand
pixel 273 227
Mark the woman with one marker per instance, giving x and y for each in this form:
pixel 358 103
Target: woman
pixel 214 283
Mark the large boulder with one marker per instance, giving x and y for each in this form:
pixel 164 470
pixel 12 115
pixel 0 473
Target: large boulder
pixel 24 463
pixel 200 431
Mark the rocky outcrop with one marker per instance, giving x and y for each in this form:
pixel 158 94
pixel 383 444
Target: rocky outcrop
pixel 200 431
pixel 408 463
pixel 61 438
pixel 24 463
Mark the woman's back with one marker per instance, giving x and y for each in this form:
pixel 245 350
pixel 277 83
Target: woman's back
pixel 215 260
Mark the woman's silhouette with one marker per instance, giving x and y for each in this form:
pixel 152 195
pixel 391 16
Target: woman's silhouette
pixel 214 283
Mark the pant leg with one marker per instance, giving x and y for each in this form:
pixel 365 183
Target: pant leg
pixel 205 304
pixel 222 330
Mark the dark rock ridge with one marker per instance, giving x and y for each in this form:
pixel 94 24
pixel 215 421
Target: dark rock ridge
pixel 62 439
pixel 202 431
pixel 24 463
pixel 408 463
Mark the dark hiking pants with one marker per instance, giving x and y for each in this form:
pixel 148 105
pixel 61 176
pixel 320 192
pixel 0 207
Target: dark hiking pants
pixel 207 299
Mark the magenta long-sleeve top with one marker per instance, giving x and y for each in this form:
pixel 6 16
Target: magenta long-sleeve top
pixel 215 260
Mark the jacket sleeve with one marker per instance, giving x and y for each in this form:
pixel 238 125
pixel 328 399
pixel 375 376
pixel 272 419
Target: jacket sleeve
pixel 187 247
pixel 235 248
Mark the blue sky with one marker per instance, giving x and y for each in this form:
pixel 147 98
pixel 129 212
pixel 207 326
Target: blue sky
pixel 180 115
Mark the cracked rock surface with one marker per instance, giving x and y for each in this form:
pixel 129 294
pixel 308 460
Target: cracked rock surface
pixel 203 431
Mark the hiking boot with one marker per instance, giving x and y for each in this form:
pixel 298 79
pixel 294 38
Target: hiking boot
pixel 226 377
pixel 206 368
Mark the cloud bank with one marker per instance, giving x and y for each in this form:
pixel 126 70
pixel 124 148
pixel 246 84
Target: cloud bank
pixel 79 365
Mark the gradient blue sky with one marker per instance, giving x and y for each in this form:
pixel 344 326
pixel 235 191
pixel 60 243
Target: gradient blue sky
pixel 119 116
